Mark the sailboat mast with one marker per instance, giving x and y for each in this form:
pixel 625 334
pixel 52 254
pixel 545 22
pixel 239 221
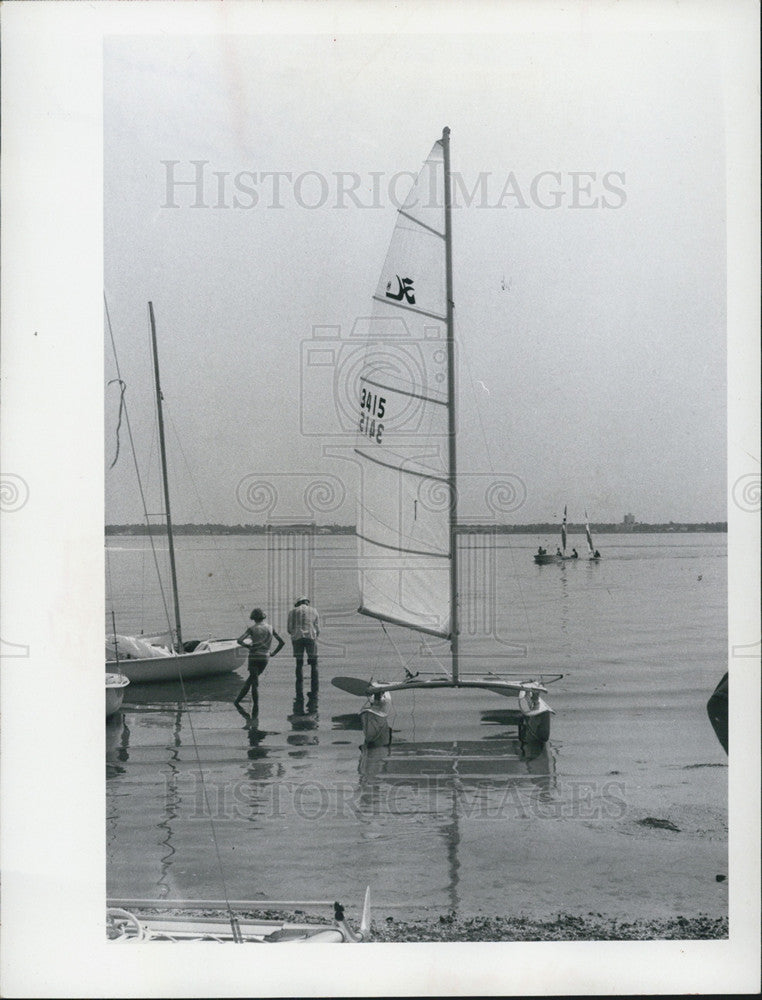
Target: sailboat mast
pixel 451 422
pixel 163 452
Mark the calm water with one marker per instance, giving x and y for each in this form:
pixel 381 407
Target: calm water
pixel 624 813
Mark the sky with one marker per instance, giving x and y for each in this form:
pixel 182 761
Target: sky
pixel 588 253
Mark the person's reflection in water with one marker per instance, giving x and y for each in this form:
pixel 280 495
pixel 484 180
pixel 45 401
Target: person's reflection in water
pixel 242 711
pixel 304 717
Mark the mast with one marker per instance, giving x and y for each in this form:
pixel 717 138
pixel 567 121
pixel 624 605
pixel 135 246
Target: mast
pixel 451 423
pixel 163 452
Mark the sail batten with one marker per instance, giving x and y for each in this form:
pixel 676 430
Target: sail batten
pixel 397 621
pixel 406 550
pixel 418 222
pixel 402 469
pixel 412 395
pixel 410 308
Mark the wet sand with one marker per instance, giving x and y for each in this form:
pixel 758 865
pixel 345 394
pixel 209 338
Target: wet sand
pixel 563 928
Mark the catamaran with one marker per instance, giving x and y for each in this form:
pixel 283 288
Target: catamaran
pixel 406 448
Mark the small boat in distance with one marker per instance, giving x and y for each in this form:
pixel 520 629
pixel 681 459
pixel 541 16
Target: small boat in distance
pixel 143 660
pixel 544 558
pixel 115 687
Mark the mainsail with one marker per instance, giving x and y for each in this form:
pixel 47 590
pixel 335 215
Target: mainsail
pixel 406 501
pixel 588 535
pixel 563 534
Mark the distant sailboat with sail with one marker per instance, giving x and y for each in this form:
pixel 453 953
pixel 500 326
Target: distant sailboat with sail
pixel 593 553
pixel 561 554
pixel 544 558
pixel 406 450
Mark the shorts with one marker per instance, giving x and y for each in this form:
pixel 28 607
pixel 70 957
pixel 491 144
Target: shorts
pixel 302 646
pixel 258 662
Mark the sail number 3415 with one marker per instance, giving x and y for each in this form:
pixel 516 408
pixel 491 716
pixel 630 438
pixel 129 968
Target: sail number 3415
pixel 372 409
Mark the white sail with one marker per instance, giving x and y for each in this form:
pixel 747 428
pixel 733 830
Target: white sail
pixel 403 521
pixel 588 535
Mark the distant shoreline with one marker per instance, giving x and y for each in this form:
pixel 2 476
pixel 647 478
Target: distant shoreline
pixel 348 529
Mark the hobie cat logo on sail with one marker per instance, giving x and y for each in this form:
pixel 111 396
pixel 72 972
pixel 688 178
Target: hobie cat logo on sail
pixel 404 290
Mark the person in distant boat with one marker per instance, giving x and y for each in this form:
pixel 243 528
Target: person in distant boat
pixel 304 628
pixel 575 554
pixel 558 551
pixel 257 639
pixel 596 554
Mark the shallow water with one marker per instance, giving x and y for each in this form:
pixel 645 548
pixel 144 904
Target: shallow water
pixel 623 813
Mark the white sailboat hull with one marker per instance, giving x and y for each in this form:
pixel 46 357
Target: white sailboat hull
pixel 115 688
pixel 221 657
pixel 127 921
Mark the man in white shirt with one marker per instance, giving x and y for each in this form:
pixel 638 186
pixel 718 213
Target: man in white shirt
pixel 304 628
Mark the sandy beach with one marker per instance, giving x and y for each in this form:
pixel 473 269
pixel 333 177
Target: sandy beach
pixel 446 928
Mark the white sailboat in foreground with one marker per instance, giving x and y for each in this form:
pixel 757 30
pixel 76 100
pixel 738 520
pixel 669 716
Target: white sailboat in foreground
pixel 408 518
pixel 143 659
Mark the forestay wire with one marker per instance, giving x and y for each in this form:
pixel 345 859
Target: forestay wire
pixel 123 409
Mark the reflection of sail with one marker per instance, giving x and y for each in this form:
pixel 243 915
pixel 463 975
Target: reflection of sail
pixel 453 783
pixel 304 717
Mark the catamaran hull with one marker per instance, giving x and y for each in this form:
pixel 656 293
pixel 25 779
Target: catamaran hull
pixel 115 687
pixel 221 658
pixel 375 729
pixel 375 723
pixel 534 724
